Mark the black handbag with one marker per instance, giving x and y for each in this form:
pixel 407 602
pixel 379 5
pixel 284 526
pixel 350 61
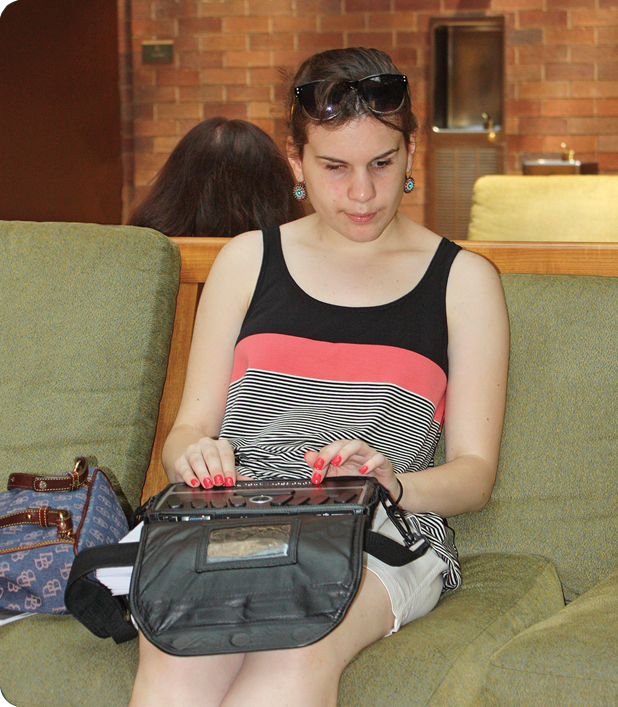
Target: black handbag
pixel 260 566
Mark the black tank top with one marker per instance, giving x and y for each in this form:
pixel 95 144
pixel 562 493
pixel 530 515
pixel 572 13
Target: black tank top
pixel 416 321
pixel 307 373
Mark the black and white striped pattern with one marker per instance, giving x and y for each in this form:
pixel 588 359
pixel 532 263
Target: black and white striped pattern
pixel 272 419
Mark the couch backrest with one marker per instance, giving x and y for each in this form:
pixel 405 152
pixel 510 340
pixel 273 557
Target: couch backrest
pixel 555 493
pixel 545 208
pixel 87 313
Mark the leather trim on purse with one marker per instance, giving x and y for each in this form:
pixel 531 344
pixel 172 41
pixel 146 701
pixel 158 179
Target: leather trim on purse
pixel 69 482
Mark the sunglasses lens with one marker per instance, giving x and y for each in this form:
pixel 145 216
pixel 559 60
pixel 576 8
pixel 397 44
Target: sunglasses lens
pixel 334 98
pixel 383 94
pixel 307 98
pixel 320 105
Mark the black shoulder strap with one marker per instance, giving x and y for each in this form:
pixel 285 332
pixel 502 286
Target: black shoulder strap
pixel 91 602
pixel 388 550
pixel 391 552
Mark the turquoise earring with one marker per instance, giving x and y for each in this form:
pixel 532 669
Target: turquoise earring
pixel 299 191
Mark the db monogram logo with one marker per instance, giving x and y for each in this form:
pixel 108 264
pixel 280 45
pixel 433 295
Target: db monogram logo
pixel 32 603
pixel 42 562
pixel 52 588
pixel 26 578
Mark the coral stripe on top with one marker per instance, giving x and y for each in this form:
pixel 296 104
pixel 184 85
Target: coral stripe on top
pixel 322 360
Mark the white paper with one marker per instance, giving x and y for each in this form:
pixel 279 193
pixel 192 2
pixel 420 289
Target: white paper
pixel 118 579
pixel 6 617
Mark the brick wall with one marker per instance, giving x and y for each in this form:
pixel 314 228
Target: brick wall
pixel 561 77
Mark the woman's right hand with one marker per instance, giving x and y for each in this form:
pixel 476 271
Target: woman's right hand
pixel 209 462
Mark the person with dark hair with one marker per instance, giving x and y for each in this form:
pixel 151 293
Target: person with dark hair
pixel 343 343
pixel 223 178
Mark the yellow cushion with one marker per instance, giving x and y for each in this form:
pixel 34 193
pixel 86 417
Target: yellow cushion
pixel 548 208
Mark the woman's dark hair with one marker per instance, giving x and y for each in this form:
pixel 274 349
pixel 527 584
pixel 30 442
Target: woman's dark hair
pixel 337 65
pixel 223 178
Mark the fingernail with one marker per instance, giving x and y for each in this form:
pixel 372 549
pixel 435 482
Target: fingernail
pixel 207 483
pixel 316 478
pixel 194 482
pixel 229 481
pixel 319 463
pixel 336 461
pixel 218 480
pixel 363 469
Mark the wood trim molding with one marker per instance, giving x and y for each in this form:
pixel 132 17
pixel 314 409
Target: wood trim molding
pixel 549 258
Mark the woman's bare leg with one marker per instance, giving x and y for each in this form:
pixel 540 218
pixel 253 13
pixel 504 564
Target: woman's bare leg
pixel 309 677
pixel 165 680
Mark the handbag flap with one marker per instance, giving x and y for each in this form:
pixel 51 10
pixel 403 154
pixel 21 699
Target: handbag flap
pixel 186 606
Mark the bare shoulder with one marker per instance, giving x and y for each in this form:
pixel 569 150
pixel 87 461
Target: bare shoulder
pixel 244 250
pixel 474 292
pixel 237 266
pixel 471 272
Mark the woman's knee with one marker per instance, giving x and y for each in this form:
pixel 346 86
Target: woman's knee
pixel 174 679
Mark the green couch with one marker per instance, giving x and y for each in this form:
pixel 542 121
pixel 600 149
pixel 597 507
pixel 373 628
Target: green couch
pixel 548 534
pixel 87 314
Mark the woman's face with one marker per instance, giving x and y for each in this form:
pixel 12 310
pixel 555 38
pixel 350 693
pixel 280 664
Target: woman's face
pixel 355 175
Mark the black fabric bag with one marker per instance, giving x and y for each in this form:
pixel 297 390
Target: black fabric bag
pixel 261 566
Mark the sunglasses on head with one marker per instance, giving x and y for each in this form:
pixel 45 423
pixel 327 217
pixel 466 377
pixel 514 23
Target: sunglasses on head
pixel 382 93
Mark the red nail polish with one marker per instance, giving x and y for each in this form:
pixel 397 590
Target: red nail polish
pixel 194 482
pixel 319 464
pixel 316 478
pixel 363 470
pixel 207 483
pixel 218 480
pixel 336 461
pixel 229 481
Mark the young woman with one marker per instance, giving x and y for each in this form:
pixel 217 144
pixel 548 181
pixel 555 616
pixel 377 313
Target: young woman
pixel 214 184
pixel 324 348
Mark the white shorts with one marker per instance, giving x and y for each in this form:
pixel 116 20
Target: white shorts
pixel 415 588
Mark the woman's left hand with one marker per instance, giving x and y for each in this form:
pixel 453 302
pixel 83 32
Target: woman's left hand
pixel 348 457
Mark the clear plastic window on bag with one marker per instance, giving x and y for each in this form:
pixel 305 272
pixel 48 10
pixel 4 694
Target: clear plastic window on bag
pixel 248 543
pixel 231 544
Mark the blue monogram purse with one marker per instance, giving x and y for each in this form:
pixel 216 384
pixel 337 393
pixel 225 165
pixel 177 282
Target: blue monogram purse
pixel 44 522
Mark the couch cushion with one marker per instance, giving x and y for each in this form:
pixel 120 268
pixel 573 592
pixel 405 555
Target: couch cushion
pixel 437 660
pixel 555 491
pixel 568 660
pixel 544 208
pixel 59 663
pixel 87 313
pixel 441 659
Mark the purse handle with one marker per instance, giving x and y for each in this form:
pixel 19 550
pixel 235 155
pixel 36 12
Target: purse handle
pixel 43 517
pixel 68 482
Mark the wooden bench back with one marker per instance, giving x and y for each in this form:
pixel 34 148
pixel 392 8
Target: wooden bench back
pixel 198 255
